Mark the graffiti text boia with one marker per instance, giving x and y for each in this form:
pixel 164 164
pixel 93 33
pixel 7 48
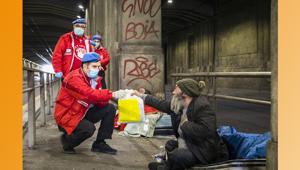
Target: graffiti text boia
pixel 140 30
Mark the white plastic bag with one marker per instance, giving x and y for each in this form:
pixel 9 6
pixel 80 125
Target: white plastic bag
pixel 125 97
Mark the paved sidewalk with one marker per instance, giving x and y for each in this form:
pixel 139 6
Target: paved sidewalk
pixel 133 153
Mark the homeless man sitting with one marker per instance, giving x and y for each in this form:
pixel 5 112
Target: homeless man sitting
pixel 194 123
pixel 81 103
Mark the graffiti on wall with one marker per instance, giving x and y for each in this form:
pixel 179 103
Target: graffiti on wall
pixel 140 31
pixel 146 10
pixel 140 68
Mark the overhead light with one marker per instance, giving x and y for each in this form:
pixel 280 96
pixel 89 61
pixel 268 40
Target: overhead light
pixel 78 16
pixel 48 68
pixel 80 6
pixel 170 1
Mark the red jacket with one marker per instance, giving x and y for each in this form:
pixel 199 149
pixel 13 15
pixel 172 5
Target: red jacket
pixel 75 97
pixel 68 52
pixel 105 57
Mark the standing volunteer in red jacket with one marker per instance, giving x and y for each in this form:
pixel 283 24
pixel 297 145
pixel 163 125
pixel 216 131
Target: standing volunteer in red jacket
pixel 81 103
pixel 70 48
pixel 97 39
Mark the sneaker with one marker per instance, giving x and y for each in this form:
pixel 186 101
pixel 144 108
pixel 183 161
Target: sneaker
pixel 69 150
pixel 103 147
pixel 66 148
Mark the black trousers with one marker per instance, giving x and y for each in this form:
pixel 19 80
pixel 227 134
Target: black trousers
pixel 179 158
pixel 102 74
pixel 86 127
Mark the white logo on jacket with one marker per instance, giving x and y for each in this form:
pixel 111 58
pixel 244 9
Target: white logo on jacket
pixel 80 52
pixel 68 51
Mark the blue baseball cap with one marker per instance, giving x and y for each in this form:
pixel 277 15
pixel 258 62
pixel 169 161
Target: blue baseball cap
pixel 90 57
pixel 96 37
pixel 79 21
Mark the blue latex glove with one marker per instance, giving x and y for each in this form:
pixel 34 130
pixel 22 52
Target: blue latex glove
pixel 59 75
pixel 93 43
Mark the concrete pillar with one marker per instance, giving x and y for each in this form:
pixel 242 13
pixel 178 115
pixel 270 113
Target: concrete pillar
pixel 31 109
pixel 132 35
pixel 42 98
pixel 102 19
pixel 272 148
pixel 141 62
pixel 48 79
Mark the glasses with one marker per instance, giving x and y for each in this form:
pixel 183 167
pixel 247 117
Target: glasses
pixel 96 41
pixel 80 25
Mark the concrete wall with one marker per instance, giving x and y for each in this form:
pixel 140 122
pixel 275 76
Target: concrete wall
pixel 132 35
pixel 141 62
pixel 102 17
pixel 141 21
pixel 201 50
pixel 241 43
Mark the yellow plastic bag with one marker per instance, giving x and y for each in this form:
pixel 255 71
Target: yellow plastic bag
pixel 129 110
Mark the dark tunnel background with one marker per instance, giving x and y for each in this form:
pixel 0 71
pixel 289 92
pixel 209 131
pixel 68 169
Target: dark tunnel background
pixel 197 36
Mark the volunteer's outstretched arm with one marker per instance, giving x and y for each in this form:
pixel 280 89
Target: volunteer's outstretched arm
pixel 161 105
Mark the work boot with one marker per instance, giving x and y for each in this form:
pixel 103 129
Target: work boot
pixel 66 149
pixel 103 147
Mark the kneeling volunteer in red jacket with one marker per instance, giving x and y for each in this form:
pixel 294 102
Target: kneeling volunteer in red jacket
pixel 81 103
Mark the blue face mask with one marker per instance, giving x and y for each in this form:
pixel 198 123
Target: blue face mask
pixel 78 31
pixel 93 73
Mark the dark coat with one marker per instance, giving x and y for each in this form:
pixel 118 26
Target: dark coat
pixel 199 132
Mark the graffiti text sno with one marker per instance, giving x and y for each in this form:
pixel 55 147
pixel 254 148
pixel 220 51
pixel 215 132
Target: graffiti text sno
pixel 146 7
pixel 140 68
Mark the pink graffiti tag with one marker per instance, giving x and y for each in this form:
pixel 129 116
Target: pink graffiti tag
pixel 143 69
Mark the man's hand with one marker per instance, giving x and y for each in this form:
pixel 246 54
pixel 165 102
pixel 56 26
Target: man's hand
pixel 119 94
pixel 136 93
pixel 93 43
pixel 114 95
pixel 59 75
pixel 185 120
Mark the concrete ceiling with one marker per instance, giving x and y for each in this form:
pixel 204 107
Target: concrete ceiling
pixel 182 14
pixel 45 20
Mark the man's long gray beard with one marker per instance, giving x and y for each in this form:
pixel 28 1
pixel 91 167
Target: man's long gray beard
pixel 176 104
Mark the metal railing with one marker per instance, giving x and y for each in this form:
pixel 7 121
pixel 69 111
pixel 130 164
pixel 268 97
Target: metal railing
pixel 215 75
pixel 46 84
pixel 30 64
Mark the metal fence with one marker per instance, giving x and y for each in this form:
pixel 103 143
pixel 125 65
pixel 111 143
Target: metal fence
pixel 215 75
pixel 46 85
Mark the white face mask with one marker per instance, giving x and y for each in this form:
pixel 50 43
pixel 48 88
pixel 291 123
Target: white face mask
pixel 78 31
pixel 97 44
